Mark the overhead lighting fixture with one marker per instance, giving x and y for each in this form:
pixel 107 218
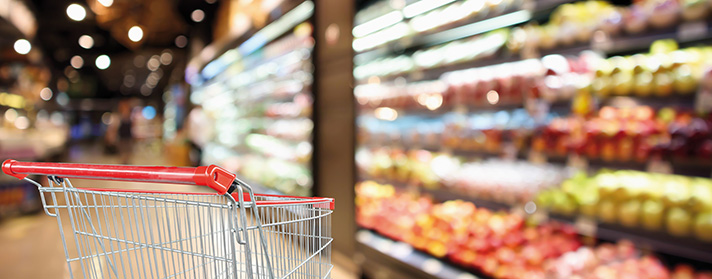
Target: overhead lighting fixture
pixel 198 15
pixel 377 24
pixel 273 30
pixel 423 6
pixel 166 57
pixel 103 62
pixel 76 12
pixel 478 27
pixel 46 94
pixel 106 3
pixel 181 41
pixel 77 62
pixel 135 34
pixel 86 41
pixel 153 63
pixel 23 46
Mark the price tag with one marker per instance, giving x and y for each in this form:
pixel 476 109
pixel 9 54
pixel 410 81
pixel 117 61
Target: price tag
pixel 659 166
pixel 536 157
pixel 538 216
pixel 519 210
pixel 466 276
pixel 401 250
pixel 577 161
pixel 586 226
pixel 460 109
pixel 601 41
pixel 692 30
pixel 417 75
pixel 432 266
pixel 703 101
pixel 509 151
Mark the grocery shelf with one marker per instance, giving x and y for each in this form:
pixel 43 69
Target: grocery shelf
pixel 684 33
pixel 471 27
pixel 679 166
pixel 657 241
pixel 394 259
pixel 474 27
pixel 443 194
pixel 656 102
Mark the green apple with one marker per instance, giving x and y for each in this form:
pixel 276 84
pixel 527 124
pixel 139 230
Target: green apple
pixel 629 213
pixel 607 211
pixel 703 226
pixel 678 222
pixel 652 217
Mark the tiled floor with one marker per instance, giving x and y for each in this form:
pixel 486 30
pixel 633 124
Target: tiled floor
pixel 30 246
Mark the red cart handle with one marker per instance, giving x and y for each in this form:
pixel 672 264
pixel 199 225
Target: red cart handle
pixel 212 176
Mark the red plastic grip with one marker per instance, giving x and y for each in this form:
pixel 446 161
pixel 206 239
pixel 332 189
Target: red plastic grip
pixel 212 176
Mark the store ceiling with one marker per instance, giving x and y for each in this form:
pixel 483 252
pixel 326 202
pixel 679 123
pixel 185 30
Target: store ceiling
pixel 161 20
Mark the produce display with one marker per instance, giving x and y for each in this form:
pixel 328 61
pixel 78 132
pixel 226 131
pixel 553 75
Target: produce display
pixel 662 72
pixel 481 131
pixel 418 167
pixel 505 181
pixel 500 244
pixel 678 205
pixel 579 22
pixel 465 50
pixel 552 78
pixel 629 134
pixel 616 261
pixel 260 107
pixel 415 21
pixel 454 108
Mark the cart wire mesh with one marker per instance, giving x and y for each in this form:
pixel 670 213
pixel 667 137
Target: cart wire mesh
pixel 131 234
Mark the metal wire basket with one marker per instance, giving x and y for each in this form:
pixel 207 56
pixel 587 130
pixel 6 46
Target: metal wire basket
pixel 109 233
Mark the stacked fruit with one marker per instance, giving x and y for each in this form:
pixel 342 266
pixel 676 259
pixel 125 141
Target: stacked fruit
pixel 512 182
pixel 615 261
pixel 681 205
pixel 497 243
pixel 488 131
pixel 578 22
pixel 416 167
pixel 552 77
pixel 662 72
pixel 392 214
pixel 628 133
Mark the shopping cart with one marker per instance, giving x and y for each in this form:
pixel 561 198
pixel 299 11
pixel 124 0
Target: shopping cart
pixel 109 233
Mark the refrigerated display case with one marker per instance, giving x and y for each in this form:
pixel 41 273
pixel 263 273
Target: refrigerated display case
pixel 258 101
pixel 489 132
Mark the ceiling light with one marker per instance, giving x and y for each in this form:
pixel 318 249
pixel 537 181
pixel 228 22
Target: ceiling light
pixel 377 24
pixel 77 62
pixel 181 41
pixel 106 3
pixel 198 15
pixel 86 41
pixel 76 12
pixel 103 62
pixel 423 6
pixel 153 63
pixel 166 57
pixel 135 34
pixel 46 93
pixel 23 46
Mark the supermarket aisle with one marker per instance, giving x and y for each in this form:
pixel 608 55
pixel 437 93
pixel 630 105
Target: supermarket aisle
pixel 31 245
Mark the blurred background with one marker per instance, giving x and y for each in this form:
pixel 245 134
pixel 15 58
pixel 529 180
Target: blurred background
pixel 514 139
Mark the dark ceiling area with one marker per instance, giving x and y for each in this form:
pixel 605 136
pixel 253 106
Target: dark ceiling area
pixel 161 21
